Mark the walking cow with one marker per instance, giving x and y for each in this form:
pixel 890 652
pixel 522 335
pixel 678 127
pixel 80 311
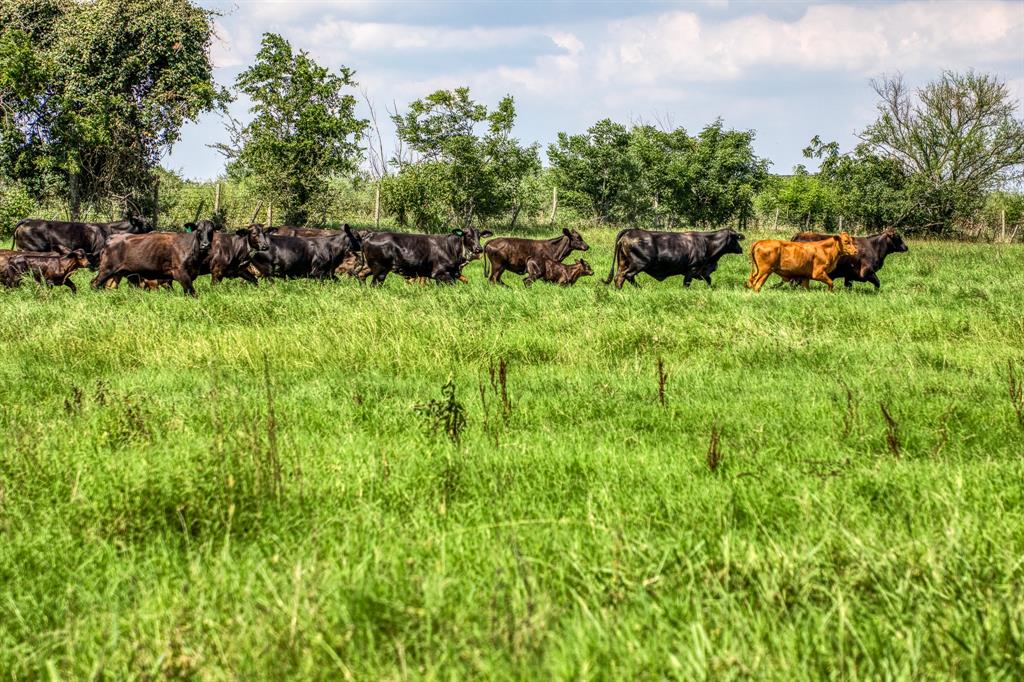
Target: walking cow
pixel 798 261
pixel 157 256
pixel 61 236
pixel 870 257
pixel 436 256
pixel 694 255
pixel 513 253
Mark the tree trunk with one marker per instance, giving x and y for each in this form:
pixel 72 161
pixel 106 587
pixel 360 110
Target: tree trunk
pixel 515 215
pixel 74 198
pixel 554 204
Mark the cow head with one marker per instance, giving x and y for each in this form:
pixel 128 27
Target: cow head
pixel 894 242
pixel 585 269
pixel 846 244
pixel 255 237
pixel 140 224
pixel 78 258
pixel 733 239
pixel 576 242
pixel 470 239
pixel 203 234
pixel 354 240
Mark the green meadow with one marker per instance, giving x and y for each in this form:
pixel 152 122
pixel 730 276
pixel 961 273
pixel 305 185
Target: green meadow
pixel 327 481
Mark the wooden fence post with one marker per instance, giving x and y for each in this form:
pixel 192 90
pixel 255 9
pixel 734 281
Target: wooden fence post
pixel 1002 222
pixel 216 199
pixel 270 214
pixel 376 206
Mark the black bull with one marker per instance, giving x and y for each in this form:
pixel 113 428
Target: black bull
pixel 61 236
pixel 694 255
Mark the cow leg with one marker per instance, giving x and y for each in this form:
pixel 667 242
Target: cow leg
pixel 70 285
pixel 822 277
pixel 186 283
pixel 759 278
pixel 101 279
pixel 496 275
pixel 873 278
pixel 462 278
pixel 632 280
pixel 686 280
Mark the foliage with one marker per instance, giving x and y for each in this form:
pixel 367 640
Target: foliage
pixel 94 93
pixel 800 198
pixel 141 537
pixel 455 174
pixel 303 132
pixel 954 139
pixel 646 174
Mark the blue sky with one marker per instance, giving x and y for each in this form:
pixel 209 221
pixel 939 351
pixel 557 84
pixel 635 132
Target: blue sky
pixel 789 70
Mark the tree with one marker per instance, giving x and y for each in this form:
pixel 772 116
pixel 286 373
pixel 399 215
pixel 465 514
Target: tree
pixel 454 174
pixel 869 190
pixel 954 139
pixel 802 198
pixel 718 177
pixel 93 94
pixel 595 168
pixel 303 132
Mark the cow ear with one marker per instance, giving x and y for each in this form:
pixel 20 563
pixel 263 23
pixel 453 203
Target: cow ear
pixel 565 231
pixel 190 227
pixel 243 232
pixel 458 233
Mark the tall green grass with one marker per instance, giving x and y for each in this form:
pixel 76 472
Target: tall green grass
pixel 264 483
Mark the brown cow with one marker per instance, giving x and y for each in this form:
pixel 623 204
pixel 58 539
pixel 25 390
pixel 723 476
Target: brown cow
pixel 512 253
pixel 550 270
pixel 52 269
pixel 174 256
pixel 798 260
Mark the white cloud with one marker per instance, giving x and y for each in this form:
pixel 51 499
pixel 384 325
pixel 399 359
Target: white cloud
pixel 680 46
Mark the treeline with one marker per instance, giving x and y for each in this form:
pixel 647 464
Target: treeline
pixel 93 94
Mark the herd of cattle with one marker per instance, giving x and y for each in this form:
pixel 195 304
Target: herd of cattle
pixel 51 251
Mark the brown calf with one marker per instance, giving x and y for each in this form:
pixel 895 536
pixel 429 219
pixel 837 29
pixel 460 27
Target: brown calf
pixel 798 260
pixel 550 270
pixel 54 270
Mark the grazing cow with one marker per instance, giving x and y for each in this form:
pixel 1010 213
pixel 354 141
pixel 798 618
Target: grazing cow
pixel 231 254
pixel 56 235
pixel 157 256
pixel 312 257
pixel 53 269
pixel 801 261
pixel 871 253
pixel 436 256
pixel 694 255
pixel 513 253
pixel 554 272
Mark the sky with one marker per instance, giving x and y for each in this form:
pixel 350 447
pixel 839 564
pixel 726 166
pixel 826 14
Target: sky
pixel 789 70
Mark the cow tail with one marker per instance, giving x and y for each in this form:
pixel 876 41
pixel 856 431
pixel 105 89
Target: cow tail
pixel 615 255
pixel 14 235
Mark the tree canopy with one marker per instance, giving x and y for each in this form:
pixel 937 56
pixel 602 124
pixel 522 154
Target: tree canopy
pixel 303 129
pixel 952 140
pixel 94 93
pixel 456 173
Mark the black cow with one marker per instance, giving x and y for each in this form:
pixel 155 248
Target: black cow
pixel 311 257
pixel 437 256
pixel 61 236
pixel 694 255
pixel 513 253
pixel 871 253
pixel 231 254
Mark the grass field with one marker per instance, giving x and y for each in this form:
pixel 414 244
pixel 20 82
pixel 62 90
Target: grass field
pixel 255 485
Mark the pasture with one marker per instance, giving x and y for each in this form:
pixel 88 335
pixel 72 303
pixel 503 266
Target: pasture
pixel 256 484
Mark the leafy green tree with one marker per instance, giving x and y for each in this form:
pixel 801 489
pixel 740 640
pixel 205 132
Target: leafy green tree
pixel 595 168
pixel 800 198
pixel 716 180
pixel 454 174
pixel 954 139
pixel 303 132
pixel 870 190
pixel 94 93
